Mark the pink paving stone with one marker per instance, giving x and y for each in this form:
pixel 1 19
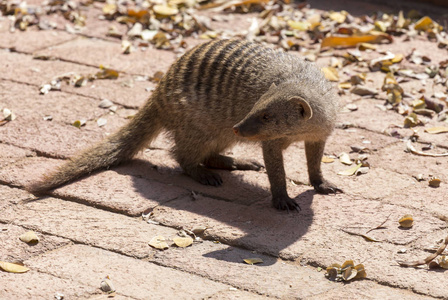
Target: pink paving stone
pixel 32 39
pixel 24 100
pixel 121 193
pixel 299 236
pixel 37 285
pixel 422 196
pixel 394 158
pixel 126 90
pixel 50 138
pixel 10 154
pixel 87 225
pixel 131 277
pixel 109 54
pixel 273 278
pixel 11 196
pixel 366 289
pixel 14 249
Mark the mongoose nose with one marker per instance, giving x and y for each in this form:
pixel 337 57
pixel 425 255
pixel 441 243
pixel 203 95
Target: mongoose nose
pixel 235 130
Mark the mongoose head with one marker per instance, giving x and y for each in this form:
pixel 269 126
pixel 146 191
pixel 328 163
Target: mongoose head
pixel 281 112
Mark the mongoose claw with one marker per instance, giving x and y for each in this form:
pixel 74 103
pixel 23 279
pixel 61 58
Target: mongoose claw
pixel 327 188
pixel 285 203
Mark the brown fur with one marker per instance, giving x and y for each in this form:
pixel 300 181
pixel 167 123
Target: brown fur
pixel 218 94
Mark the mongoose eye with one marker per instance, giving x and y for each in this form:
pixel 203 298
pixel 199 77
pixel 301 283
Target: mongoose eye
pixel 266 117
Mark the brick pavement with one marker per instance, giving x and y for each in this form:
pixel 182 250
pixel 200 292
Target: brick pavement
pixel 92 228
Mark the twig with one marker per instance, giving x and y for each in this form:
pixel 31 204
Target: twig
pixel 426 260
pixel 379 226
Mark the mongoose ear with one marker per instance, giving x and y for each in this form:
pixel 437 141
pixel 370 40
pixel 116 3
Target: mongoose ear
pixel 273 86
pixel 307 110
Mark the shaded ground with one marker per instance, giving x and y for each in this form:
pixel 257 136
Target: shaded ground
pixel 92 228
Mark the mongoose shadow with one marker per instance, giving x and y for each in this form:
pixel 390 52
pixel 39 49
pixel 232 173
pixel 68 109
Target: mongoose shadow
pixel 266 229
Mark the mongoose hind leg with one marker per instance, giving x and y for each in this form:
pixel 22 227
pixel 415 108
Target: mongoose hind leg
pixel 314 152
pixel 230 163
pixel 190 156
pixel 273 159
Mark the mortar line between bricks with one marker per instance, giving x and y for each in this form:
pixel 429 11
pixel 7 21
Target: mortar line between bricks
pixel 69 92
pixel 147 259
pixel 73 61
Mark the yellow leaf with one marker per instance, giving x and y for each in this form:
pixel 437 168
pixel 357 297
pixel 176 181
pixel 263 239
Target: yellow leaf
pixel 331 73
pixel 345 159
pixel 351 171
pixel 252 261
pixel 183 242
pixel 339 17
pixel 302 26
pixel 326 159
pixel 353 41
pixel 406 221
pixel 424 23
pixel 434 182
pixel 435 130
pixel 158 242
pixel 13 268
pixel 29 237
pixel 165 10
pixel 345 85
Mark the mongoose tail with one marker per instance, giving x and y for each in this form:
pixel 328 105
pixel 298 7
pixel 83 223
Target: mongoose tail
pixel 119 147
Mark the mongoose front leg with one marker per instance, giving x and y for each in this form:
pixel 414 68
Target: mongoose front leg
pixel 230 163
pixel 314 152
pixel 273 159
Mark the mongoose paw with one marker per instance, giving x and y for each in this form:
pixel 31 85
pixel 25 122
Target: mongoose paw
pixel 207 177
pixel 285 203
pixel 326 187
pixel 247 164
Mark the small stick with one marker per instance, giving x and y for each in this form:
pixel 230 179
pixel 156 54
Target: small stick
pixel 426 260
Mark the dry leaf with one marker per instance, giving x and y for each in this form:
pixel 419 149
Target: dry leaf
pixel 326 159
pixel 252 261
pixel 107 285
pixel 183 242
pixel 345 159
pixel 411 149
pixel 101 122
pixel 434 182
pixel 406 221
pixel 165 10
pixel 13 268
pixel 363 91
pixel 158 242
pixel 353 41
pixel 351 171
pixel 107 73
pixel 29 237
pixel 331 73
pixel 435 130
pixel 79 123
pixel 8 115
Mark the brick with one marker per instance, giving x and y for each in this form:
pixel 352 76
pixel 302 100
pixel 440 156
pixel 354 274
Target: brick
pixel 273 278
pixel 38 285
pixel 14 249
pixel 32 40
pixel 11 196
pixel 10 154
pixel 366 289
pixel 110 55
pixel 125 90
pixel 87 225
pixel 131 277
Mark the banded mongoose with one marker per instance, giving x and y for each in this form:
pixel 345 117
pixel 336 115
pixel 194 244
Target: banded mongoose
pixel 218 94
